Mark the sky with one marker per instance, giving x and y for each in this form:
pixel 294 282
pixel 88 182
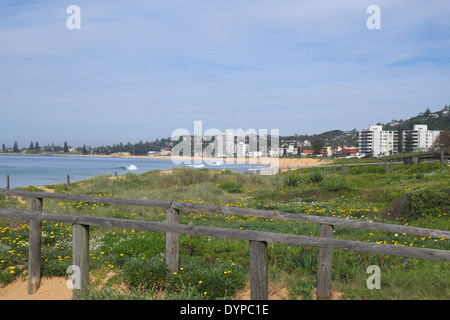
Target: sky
pixel 139 70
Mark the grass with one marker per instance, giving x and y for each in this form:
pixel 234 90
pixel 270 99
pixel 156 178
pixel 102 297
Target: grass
pixel 214 268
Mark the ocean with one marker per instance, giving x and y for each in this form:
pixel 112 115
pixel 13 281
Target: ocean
pixel 39 170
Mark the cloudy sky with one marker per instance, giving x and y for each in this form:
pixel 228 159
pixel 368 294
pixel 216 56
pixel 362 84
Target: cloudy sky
pixel 138 70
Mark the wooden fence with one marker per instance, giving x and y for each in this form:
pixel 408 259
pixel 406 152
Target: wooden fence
pixel 389 167
pixel 257 239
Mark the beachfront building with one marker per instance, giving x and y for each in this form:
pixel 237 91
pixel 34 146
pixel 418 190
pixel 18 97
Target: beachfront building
pixel 420 138
pixel 241 149
pixel 377 141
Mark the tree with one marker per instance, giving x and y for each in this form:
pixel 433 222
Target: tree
pixel 334 147
pixel 37 147
pixel 84 151
pixel 408 142
pixel 31 145
pixel 317 145
pixel 3 147
pixel 442 142
pixel 16 147
pixel 66 147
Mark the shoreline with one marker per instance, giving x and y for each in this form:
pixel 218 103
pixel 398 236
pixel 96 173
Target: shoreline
pixel 283 163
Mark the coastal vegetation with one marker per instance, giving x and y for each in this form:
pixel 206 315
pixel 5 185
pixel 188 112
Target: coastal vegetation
pixel 130 264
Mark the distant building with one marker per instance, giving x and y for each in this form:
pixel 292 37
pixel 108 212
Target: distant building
pixel 422 138
pixel 349 152
pixel 241 149
pixel 377 141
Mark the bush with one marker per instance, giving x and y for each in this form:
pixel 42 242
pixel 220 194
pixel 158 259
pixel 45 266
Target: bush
pixel 424 201
pixel 424 167
pixel 149 274
pixel 316 177
pixel 231 187
pixel 418 204
pixel 188 176
pixel 292 180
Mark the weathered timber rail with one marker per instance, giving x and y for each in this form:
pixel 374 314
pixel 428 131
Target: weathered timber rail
pixel 389 166
pixel 387 163
pixel 257 239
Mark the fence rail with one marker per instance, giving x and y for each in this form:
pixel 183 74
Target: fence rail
pixel 257 239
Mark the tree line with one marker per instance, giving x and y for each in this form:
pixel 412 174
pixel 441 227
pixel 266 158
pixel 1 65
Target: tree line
pixel 139 148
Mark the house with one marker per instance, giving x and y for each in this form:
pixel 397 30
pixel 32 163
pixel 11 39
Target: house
pixel 349 152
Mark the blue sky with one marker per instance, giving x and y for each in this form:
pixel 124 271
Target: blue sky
pixel 138 70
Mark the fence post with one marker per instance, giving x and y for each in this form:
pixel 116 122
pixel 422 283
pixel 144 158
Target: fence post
pixel 68 180
pixel 442 159
pixel 392 167
pixel 7 181
pixel 259 280
pixel 325 265
pixel 386 166
pixel 34 247
pixel 81 259
pixel 172 241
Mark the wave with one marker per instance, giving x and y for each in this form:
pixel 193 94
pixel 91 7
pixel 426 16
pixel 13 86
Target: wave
pixel 196 165
pixel 130 167
pixel 216 163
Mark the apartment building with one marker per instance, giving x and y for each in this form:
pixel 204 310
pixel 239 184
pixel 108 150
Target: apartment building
pixel 377 141
pixel 421 138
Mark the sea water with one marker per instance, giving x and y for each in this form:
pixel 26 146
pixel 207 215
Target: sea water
pixel 39 170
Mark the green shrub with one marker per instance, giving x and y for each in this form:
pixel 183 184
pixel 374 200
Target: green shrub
pixel 143 273
pixel 188 176
pixel 418 175
pixel 316 177
pixel 424 201
pixel 424 167
pixel 292 180
pixel 307 259
pixel 231 187
pixel 418 204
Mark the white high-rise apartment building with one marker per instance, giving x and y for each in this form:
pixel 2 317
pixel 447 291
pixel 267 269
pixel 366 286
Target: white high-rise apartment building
pixel 422 138
pixel 225 147
pixel 377 141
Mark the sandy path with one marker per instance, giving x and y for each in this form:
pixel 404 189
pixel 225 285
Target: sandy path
pixel 50 289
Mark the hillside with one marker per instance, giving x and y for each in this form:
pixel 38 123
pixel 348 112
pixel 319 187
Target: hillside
pixel 439 120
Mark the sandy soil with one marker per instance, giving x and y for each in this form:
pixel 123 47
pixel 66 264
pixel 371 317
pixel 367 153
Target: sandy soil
pixel 56 289
pixel 50 289
pixel 279 291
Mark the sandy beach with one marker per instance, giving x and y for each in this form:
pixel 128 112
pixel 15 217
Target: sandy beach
pixel 282 163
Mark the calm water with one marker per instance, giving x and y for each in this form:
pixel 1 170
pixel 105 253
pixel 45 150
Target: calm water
pixel 42 170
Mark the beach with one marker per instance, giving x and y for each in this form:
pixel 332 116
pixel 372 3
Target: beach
pixel 282 163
